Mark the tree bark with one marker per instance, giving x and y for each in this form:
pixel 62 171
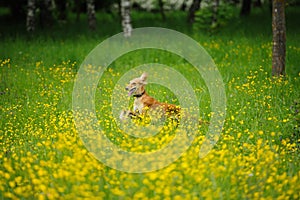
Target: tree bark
pixel 246 8
pixel 183 5
pixel 279 38
pixel 126 20
pixel 78 10
pixel 215 13
pixel 161 9
pixel 258 3
pixel 62 9
pixel 194 7
pixel 91 14
pixel 46 17
pixel 30 19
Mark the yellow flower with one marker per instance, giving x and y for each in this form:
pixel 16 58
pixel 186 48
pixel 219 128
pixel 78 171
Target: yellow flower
pixel 273 134
pixel 12 184
pixel 117 192
pixel 42 187
pixel 7 176
pixel 41 197
pixel 153 176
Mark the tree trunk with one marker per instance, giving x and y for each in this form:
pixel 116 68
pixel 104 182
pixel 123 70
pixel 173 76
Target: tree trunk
pixel 194 7
pixel 62 9
pixel 246 8
pixel 183 5
pixel 91 14
pixel 78 10
pixel 30 20
pixel 46 17
pixel 16 9
pixel 126 21
pixel 161 9
pixel 258 3
pixel 279 38
pixel 215 13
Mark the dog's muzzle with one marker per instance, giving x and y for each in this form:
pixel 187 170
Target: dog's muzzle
pixel 132 90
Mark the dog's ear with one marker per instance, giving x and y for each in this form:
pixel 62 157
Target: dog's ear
pixel 144 77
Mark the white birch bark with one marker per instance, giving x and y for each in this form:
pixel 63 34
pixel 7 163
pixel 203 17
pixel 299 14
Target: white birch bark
pixel 91 14
pixel 126 20
pixel 30 19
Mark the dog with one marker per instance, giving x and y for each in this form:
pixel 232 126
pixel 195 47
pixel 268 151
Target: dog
pixel 143 103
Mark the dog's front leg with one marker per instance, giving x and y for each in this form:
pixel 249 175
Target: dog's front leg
pixel 128 114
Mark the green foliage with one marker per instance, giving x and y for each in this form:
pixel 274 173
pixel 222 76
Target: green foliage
pixel 211 18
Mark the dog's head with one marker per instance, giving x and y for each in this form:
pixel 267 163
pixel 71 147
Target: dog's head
pixel 136 85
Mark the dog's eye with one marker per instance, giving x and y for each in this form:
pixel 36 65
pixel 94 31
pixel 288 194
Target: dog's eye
pixel 133 83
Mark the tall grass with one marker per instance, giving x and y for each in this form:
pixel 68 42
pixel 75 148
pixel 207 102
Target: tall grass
pixel 42 156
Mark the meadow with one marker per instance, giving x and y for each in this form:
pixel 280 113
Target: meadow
pixel 42 157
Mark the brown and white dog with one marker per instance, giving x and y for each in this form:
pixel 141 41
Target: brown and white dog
pixel 143 102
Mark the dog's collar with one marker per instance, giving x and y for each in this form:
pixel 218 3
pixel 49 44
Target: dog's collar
pixel 139 95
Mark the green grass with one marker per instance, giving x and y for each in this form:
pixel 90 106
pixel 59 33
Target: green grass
pixel 256 156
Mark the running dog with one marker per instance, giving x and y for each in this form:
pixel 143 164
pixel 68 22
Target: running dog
pixel 144 103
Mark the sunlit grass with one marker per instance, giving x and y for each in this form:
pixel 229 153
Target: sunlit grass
pixel 43 157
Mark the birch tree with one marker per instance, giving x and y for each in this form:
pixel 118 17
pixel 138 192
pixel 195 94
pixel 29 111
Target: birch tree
pixel 194 7
pixel 126 20
pixel 91 14
pixel 30 19
pixel 279 38
pixel 161 9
